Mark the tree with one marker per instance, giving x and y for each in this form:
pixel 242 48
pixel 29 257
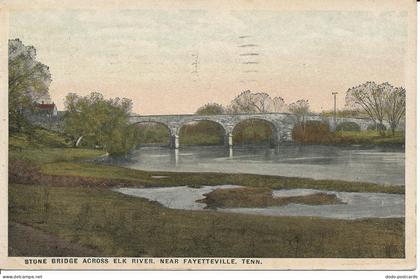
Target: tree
pixel 371 98
pixel 29 82
pixel 300 109
pixel 210 109
pixel 248 102
pixel 279 105
pixel 394 106
pixel 104 122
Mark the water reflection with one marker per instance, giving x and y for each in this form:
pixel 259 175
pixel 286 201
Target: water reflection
pixel 378 165
pixel 175 157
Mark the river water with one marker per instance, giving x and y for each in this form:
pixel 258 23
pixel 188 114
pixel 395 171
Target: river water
pixel 354 206
pixel 353 163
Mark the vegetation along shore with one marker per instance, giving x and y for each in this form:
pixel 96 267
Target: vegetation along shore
pixel 57 193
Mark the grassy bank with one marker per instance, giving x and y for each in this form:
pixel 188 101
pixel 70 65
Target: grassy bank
pixel 369 138
pixel 118 225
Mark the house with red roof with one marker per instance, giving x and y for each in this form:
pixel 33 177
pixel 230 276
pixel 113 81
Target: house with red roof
pixel 45 109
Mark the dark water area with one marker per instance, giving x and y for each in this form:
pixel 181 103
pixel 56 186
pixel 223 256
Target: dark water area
pixel 383 165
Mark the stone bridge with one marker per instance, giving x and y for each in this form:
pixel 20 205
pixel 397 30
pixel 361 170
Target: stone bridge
pixel 281 123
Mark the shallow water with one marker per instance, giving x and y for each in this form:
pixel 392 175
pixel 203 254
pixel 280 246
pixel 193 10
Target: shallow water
pixel 181 197
pixel 377 165
pixel 357 205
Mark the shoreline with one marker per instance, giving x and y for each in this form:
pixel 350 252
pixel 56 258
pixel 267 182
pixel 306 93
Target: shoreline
pixel 69 164
pixel 73 201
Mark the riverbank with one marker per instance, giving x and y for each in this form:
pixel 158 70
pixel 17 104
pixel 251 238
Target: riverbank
pixel 369 138
pixel 119 225
pixel 59 194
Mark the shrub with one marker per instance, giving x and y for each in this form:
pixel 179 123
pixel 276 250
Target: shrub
pixel 312 132
pixel 252 131
pixel 377 126
pixel 348 126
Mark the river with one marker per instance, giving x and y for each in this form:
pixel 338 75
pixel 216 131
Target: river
pixel 381 165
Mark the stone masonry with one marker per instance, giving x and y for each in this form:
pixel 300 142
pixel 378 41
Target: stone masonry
pixel 281 123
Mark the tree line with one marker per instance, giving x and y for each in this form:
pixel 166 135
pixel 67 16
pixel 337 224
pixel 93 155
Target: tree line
pixel 249 102
pixel 91 119
pixel 379 102
pixel 104 123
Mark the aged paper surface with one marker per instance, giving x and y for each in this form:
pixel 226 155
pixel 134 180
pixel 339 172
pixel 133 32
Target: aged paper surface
pixel 260 75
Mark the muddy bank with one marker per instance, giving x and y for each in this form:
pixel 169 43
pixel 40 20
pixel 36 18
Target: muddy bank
pixel 249 197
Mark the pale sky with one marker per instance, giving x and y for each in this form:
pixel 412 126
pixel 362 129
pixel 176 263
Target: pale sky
pixel 149 55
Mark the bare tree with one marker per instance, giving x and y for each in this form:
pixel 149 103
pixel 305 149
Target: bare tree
pixel 279 105
pixel 300 109
pixel 371 98
pixel 249 102
pixel 243 103
pixel 394 106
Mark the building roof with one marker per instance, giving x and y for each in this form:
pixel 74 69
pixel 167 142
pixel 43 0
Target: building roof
pixel 45 106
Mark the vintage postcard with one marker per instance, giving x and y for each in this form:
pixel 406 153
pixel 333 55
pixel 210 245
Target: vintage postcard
pixel 208 134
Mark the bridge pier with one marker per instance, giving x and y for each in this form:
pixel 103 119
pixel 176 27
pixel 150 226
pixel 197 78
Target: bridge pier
pixel 229 140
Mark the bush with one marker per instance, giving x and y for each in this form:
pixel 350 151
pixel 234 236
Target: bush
pixel 348 126
pixel 201 132
pixel 253 131
pixel 312 132
pixel 374 127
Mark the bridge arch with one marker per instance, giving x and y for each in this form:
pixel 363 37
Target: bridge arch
pixel 143 124
pixel 209 133
pixel 274 129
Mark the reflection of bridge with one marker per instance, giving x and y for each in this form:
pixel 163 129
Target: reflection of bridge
pixel 281 123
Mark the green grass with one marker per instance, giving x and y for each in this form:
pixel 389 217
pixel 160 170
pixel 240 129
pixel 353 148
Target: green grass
pixel 52 155
pixel 38 138
pixel 369 137
pixel 120 225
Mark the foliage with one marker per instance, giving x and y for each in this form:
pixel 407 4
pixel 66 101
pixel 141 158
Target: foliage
pixel 210 109
pixel 252 131
pixel 369 137
pixel 348 126
pixel 37 137
pixel 345 113
pixel 201 133
pixel 380 102
pixel 259 102
pixel 152 133
pixel 311 132
pixel 376 127
pixel 104 121
pixel 29 81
